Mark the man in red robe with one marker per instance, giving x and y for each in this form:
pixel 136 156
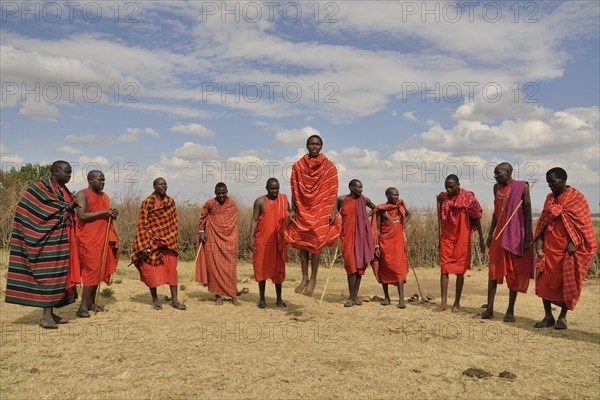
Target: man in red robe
pixel 95 233
pixel 565 244
pixel 509 240
pixel 269 252
pixel 218 230
pixel 459 214
pixel 314 220
pixel 155 247
pixel 390 264
pixel 43 268
pixel 357 244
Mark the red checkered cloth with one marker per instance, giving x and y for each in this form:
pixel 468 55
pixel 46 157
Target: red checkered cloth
pixel 216 266
pixel 463 201
pixel 157 230
pixel 573 208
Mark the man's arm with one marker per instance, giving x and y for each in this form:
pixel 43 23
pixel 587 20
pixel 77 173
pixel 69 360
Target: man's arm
pixel 407 215
pixel 257 210
pixel 527 212
pixel 494 222
pixel 477 223
pixel 370 204
pixel 378 219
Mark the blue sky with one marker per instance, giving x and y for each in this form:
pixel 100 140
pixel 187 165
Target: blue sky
pixel 403 93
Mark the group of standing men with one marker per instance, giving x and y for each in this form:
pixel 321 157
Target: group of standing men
pixel 52 250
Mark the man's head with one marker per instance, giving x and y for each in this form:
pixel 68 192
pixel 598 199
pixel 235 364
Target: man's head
pixel 452 185
pixel 314 144
pixel 356 187
pixel 272 188
pixel 503 173
pixel 392 195
pixel 95 180
pixel 160 186
pixel 557 180
pixel 221 192
pixel 60 172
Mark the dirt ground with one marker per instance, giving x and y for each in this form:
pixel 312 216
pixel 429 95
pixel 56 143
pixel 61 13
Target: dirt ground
pixel 303 351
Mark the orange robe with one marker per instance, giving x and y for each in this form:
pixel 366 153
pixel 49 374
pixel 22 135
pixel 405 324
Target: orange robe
pixel 270 252
pixel 158 231
pixel 455 223
pixel 516 268
pixel 90 238
pixel 559 277
pixel 352 239
pixel 392 264
pixel 314 184
pixel 216 266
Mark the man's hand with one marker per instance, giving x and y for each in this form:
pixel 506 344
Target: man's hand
pixel 202 236
pixel 292 215
pixel 481 245
pixel 488 242
pixel 526 243
pixel 332 217
pixel 571 248
pixel 112 212
pixel 146 253
pixel 377 252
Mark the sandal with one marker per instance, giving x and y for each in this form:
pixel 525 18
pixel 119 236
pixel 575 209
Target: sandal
pixel 178 306
pixel 82 314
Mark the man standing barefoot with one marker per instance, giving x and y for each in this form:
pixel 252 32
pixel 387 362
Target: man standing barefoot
pixel 459 215
pixel 269 251
pixel 155 247
pixel 509 240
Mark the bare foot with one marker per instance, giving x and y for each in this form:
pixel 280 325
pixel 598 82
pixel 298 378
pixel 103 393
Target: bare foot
pixel 561 323
pixel 508 317
pixel 235 302
pixel 545 323
pixel 281 303
pixel 455 308
pixel 487 314
pixel 310 288
pixel 262 303
pixel 441 307
pixel 301 286
pixel 385 302
pixel 219 301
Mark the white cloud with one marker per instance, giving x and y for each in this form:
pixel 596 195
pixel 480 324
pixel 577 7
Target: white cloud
pixel 131 135
pixel 95 162
pixel 69 150
pixel 192 129
pixel 295 137
pixel 151 132
pixel 197 151
pixel 40 111
pixel 410 116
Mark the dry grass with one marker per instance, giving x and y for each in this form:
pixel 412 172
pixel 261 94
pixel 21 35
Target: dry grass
pixel 303 351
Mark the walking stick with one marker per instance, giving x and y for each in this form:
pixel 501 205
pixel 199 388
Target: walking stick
pixel 413 270
pixel 328 275
pixel 191 273
pixel 514 212
pixel 102 265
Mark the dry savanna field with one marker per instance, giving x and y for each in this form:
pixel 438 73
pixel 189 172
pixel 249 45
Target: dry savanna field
pixel 303 351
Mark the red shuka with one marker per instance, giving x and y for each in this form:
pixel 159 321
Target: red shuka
pixel 90 238
pixel 270 252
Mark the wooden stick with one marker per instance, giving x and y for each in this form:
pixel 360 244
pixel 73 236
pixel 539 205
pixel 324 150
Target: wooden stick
pixel 102 265
pixel 191 273
pixel 422 299
pixel 514 212
pixel 328 274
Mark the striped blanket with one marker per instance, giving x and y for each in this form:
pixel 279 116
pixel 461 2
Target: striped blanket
pixel 314 183
pixel 41 272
